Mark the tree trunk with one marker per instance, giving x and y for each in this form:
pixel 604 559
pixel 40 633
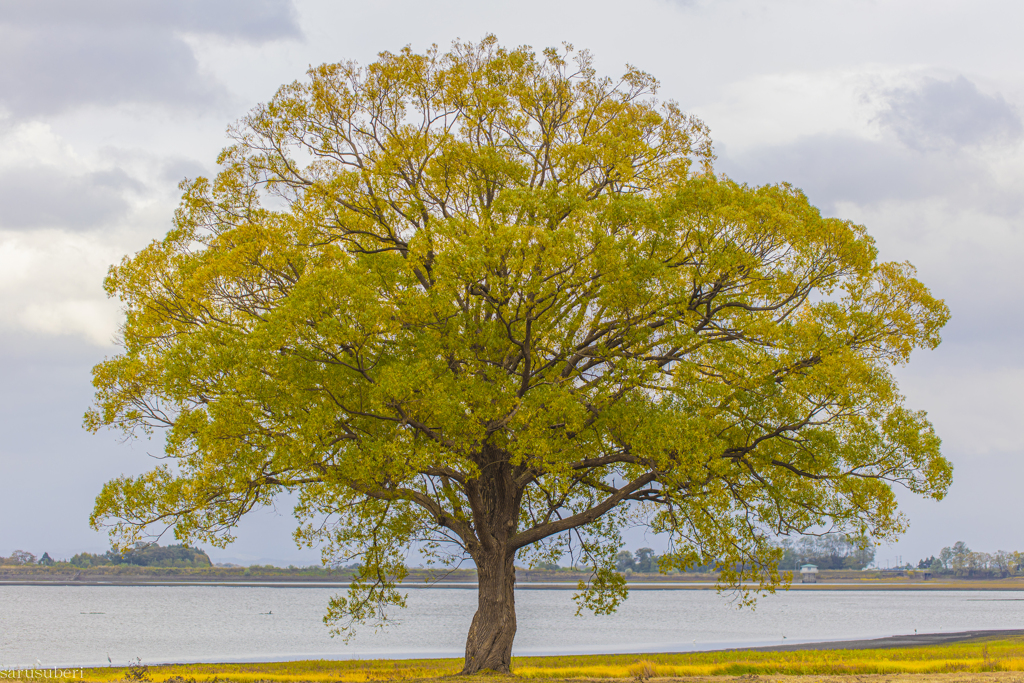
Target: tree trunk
pixel 489 645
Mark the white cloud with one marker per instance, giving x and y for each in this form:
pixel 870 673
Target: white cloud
pixel 65 217
pixel 875 135
pixel 872 133
pixel 15 264
pixel 51 283
pixel 44 183
pixel 964 252
pixel 34 143
pixel 781 108
pixel 95 321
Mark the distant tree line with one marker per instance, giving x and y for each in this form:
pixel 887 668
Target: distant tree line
pixel 142 555
pixel 831 551
pixel 21 557
pixel 147 555
pixel 644 561
pixel 959 560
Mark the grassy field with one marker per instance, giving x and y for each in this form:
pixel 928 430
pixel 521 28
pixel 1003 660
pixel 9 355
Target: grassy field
pixel 975 657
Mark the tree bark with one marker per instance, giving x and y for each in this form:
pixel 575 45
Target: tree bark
pixel 489 645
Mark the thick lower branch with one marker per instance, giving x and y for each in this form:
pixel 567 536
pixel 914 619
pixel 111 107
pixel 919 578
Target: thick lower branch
pixel 535 534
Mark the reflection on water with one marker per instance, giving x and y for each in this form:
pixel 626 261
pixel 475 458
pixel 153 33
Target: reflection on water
pixel 81 625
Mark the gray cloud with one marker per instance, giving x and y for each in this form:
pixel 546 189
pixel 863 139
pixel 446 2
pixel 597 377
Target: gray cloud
pixel 939 113
pixel 835 168
pixel 45 196
pixel 249 20
pixel 62 53
pixel 176 170
pixel 62 67
pixel 844 168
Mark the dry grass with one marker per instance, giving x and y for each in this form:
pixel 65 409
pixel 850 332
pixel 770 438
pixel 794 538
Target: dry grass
pixel 985 658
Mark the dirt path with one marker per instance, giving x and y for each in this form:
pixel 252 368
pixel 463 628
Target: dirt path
pixel 912 640
pixel 986 677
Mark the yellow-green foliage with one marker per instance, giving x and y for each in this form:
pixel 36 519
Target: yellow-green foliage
pixel 449 279
pixel 975 656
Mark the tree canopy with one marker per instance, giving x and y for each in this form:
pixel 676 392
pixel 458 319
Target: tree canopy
pixel 489 304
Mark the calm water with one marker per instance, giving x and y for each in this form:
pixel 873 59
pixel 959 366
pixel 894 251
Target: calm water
pixel 82 625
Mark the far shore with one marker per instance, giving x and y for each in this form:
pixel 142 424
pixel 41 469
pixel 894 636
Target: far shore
pixel 466 579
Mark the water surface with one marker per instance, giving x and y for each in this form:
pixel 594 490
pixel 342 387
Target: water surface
pixel 82 625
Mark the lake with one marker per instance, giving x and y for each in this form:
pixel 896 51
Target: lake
pixel 83 625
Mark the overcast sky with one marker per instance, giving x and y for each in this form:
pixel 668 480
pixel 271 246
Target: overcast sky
pixel 904 116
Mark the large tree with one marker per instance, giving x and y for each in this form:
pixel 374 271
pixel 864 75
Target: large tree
pixel 487 304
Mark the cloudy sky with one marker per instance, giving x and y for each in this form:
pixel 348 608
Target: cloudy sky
pixel 904 116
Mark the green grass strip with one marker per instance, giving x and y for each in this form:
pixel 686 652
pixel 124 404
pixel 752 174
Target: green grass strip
pixel 1004 654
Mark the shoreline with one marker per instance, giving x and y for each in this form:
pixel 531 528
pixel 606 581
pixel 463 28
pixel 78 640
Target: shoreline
pixel 756 656
pixel 576 661
pixel 868 585
pixel 890 642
